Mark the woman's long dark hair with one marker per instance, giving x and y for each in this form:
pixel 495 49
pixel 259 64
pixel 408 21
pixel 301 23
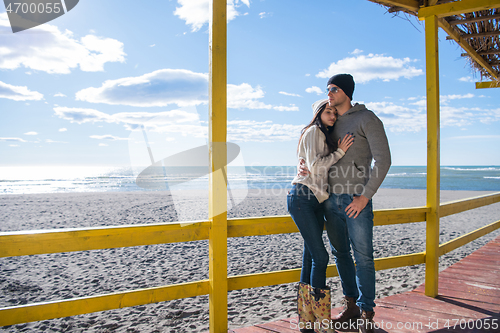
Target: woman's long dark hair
pixel 316 121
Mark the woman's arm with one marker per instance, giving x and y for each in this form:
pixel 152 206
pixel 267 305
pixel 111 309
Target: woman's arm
pixel 314 146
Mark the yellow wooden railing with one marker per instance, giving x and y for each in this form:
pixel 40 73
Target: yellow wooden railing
pixel 22 243
pixel 218 227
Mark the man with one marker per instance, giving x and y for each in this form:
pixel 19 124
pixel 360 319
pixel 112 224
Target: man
pixel 348 211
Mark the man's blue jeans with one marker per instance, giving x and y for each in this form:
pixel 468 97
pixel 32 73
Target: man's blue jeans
pixel 308 215
pixel 344 232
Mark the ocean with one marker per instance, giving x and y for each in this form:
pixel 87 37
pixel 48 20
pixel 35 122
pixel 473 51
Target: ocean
pixel 27 180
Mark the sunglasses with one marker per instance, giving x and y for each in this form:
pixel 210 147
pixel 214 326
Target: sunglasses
pixel 332 90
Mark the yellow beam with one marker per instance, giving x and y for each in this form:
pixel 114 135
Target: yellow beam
pixel 489 84
pixel 433 160
pixel 22 243
pixel 458 206
pixel 77 306
pixel 457 7
pixel 399 261
pixel 453 33
pixel 411 5
pixel 269 225
pixel 293 275
pixel 217 133
pixel 397 216
pixel 467 238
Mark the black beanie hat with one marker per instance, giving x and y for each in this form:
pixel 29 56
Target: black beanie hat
pixel 344 82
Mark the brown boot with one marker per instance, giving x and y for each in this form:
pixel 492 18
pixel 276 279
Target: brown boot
pixel 304 308
pixel 349 312
pixel 366 323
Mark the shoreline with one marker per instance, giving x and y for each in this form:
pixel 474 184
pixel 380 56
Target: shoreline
pixel 58 276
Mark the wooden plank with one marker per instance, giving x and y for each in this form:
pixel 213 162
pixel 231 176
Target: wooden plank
pixel 456 8
pixel 21 243
pixel 487 84
pixel 461 299
pixel 251 329
pixel 488 309
pixel 414 300
pixel 472 268
pixel 82 305
pixel 486 257
pixel 279 326
pixel 470 288
pixel 433 157
pixel 402 319
pixel 470 278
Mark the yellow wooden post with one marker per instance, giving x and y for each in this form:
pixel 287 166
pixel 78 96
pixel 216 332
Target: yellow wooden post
pixel 218 160
pixel 433 162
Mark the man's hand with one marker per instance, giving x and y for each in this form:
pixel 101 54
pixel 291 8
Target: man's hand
pixel 302 169
pixel 356 206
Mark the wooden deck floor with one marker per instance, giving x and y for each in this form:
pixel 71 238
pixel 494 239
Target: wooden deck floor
pixel 468 301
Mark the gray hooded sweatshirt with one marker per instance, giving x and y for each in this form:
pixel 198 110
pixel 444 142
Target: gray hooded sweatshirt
pixel 353 174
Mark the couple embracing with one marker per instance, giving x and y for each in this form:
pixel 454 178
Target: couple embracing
pixel 333 189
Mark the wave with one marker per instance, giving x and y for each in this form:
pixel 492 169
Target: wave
pixel 407 174
pixel 472 169
pixel 492 177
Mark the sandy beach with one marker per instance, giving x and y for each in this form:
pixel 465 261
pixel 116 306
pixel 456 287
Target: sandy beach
pixel 31 279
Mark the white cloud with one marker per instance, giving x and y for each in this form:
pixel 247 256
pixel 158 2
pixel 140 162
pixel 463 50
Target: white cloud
pixel 53 51
pixel 63 129
pixel 12 139
pixel 81 115
pixel 196 12
pixel 289 94
pixel 18 93
pixel 399 118
pixel 13 145
pixel 52 141
pixel 31 133
pixel 466 79
pixel 446 98
pixel 292 107
pixel 372 67
pixel 185 123
pixel 103 145
pixel 244 96
pixel 131 120
pixel 315 89
pixel 475 137
pixel 262 15
pixel 412 118
pixel 357 51
pixel 261 131
pixel 59 95
pixel 170 86
pixel 159 88
pixel 108 137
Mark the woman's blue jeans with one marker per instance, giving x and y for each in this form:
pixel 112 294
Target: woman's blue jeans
pixel 344 232
pixel 308 215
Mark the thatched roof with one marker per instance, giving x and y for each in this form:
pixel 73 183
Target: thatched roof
pixel 478 32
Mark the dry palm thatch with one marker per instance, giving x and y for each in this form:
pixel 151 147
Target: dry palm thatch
pixel 481 30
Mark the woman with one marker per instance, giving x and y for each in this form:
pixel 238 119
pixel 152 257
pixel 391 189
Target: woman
pixel 319 151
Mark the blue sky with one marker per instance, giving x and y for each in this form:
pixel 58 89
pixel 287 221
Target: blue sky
pixel 99 84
